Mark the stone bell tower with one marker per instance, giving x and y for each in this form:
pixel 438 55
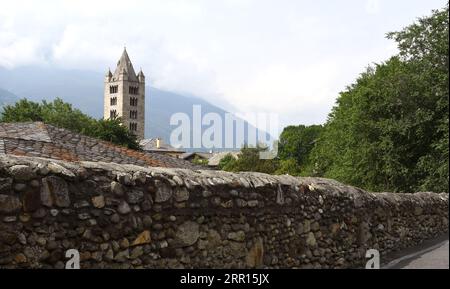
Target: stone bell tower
pixel 124 96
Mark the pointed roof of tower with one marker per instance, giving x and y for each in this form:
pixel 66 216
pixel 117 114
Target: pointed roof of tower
pixel 109 74
pixel 125 65
pixel 141 75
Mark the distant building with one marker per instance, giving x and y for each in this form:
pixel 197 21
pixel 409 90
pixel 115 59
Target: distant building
pixel 124 96
pixel 212 159
pixel 157 145
pixel 191 156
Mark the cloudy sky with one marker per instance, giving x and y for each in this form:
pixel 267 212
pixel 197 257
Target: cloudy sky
pixel 287 57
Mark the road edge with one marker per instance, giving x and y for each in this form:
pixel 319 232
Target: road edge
pixel 440 241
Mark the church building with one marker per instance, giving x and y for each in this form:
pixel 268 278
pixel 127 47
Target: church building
pixel 124 96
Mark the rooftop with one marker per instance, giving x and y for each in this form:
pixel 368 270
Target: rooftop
pixel 212 158
pixel 202 155
pixel 152 145
pixel 37 139
pixel 217 157
pixel 124 66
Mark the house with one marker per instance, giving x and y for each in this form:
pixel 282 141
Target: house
pixel 157 145
pixel 191 156
pixel 210 159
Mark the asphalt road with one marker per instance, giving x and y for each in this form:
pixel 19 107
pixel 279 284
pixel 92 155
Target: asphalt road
pixel 431 255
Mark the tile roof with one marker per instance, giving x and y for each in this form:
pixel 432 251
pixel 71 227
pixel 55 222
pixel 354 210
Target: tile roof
pixel 37 139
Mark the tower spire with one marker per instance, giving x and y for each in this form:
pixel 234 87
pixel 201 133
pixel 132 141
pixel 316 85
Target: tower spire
pixel 124 95
pixel 124 66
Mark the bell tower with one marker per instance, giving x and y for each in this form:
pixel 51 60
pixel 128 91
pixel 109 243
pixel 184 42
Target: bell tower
pixel 124 96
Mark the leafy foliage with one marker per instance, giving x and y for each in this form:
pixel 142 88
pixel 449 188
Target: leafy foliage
pixel 113 131
pixel 296 143
pixel 199 161
pixel 289 167
pixel 227 162
pixel 389 130
pixel 249 161
pixel 61 114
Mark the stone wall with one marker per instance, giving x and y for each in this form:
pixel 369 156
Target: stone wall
pixel 125 216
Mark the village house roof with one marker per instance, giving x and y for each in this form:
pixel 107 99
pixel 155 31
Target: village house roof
pixel 191 155
pixel 36 139
pixel 217 157
pixel 212 158
pixel 158 145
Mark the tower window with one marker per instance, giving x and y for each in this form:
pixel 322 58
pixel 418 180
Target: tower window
pixel 113 114
pixel 133 90
pixel 133 101
pixel 113 89
pixel 133 114
pixel 133 126
pixel 113 100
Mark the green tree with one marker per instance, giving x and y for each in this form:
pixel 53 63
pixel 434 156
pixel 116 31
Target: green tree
pixel 296 142
pixel 426 43
pixel 113 131
pixel 288 166
pixel 199 161
pixel 227 162
pixel 389 130
pixel 250 161
pixel 61 114
pixel 22 111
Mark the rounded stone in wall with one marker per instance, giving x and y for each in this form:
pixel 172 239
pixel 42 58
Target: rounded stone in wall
pixel 54 190
pixel 116 189
pixel 135 196
pixel 255 256
pixel 22 172
pixel 124 178
pixel 181 195
pixel 311 240
pixel 9 204
pixel 124 208
pixel 163 191
pixel 187 234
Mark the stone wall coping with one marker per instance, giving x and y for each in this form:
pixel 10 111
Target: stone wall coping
pixel 210 178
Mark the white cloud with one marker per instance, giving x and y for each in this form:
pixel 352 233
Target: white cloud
pixel 373 6
pixel 288 57
pixel 17 51
pixel 283 88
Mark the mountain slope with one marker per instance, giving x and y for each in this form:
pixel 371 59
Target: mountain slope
pixel 7 97
pixel 84 89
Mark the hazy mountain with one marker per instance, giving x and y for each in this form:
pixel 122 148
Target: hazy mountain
pixel 84 89
pixel 7 97
pixel 81 88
